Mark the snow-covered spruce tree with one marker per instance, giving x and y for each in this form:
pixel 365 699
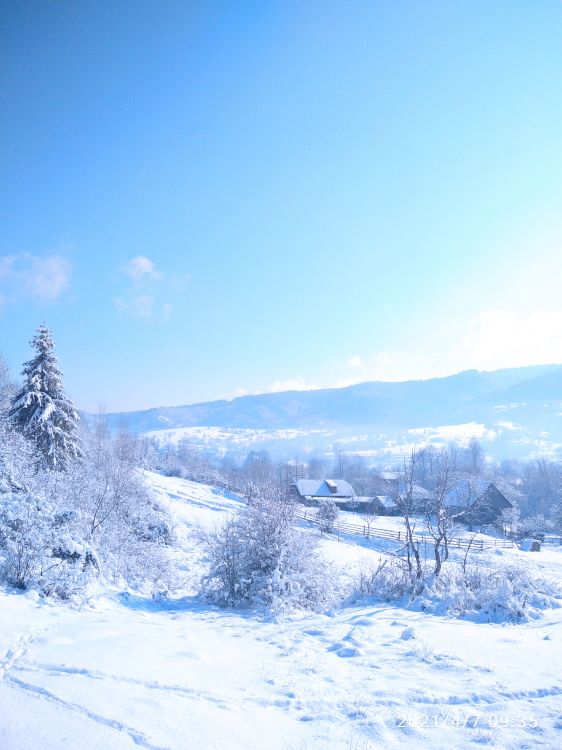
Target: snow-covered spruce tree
pixel 42 412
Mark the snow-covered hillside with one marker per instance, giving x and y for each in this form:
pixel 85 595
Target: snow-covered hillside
pixel 125 672
pixel 515 413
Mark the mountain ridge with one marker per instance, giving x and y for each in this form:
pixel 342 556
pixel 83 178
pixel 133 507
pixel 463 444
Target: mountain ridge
pixel 527 398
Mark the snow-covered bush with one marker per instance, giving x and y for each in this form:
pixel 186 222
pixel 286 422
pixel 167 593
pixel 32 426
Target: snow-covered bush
pixel 129 530
pixel 59 531
pixel 502 592
pixel 535 525
pixel 327 515
pixel 43 549
pixel 259 558
pixel 390 580
pixel 72 509
pixel 16 460
pixel 490 592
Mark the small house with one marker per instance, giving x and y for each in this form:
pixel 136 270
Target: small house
pixel 384 505
pixel 476 502
pixel 313 491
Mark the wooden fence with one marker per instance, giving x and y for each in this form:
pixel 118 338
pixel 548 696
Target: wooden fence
pixel 369 531
pixel 555 539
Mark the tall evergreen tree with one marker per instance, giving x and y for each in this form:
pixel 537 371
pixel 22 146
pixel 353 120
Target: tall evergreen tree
pixel 41 410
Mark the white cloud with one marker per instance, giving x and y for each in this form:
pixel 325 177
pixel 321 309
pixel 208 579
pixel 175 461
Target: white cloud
pixel 48 277
pixel 140 306
pixel 356 361
pixel 144 306
pixel 491 341
pixel 498 339
pixel 44 277
pixel 6 264
pixel 292 384
pixel 146 288
pixel 140 268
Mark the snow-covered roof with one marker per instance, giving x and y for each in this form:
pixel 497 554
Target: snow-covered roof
pixel 386 501
pixel 418 492
pixel 324 488
pixel 467 492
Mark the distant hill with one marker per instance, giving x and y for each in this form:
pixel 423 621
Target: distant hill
pixel 515 412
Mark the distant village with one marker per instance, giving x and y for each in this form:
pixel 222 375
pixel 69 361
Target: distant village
pixel 469 501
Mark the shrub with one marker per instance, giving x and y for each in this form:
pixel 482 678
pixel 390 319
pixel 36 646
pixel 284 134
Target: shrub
pixel 390 580
pixel 500 592
pixel 43 549
pixel 259 558
pixel 61 530
pixel 327 515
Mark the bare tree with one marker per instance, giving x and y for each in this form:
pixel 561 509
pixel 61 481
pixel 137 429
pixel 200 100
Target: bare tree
pixel 437 511
pixel 509 520
pixel 404 497
pixel 475 457
pixel 317 468
pixel 258 467
pixel 542 487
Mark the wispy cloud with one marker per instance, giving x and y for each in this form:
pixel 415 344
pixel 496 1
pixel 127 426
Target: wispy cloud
pixel 356 361
pixel 141 305
pixel 141 268
pixel 6 265
pixel 44 278
pixel 148 289
pixel 491 340
pixel 291 384
pixel 48 277
pixel 498 338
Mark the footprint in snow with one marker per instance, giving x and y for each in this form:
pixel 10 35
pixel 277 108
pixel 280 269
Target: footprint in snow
pixel 407 634
pixel 364 622
pixel 344 652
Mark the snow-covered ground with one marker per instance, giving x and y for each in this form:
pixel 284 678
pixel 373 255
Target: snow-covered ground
pixel 125 672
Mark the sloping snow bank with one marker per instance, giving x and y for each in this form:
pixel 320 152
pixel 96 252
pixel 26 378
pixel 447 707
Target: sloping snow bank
pixel 126 672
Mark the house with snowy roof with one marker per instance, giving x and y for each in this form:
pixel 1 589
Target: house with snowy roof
pixel 476 502
pixel 384 505
pixel 312 491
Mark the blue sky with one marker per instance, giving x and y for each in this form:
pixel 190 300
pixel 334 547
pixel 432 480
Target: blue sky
pixel 206 199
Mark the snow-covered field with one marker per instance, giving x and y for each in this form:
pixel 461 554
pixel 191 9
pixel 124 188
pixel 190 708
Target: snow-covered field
pixel 227 438
pixel 124 672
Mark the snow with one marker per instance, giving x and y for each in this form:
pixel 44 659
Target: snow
pixel 227 437
pixel 123 671
pixel 461 433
